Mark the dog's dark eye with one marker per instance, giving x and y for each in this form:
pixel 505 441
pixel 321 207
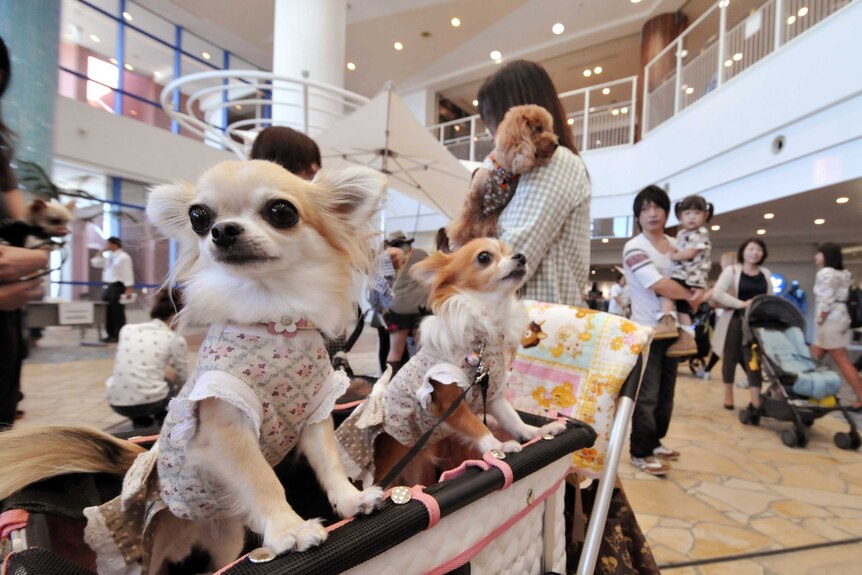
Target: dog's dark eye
pixel 201 219
pixel 484 258
pixel 281 214
pixel 56 221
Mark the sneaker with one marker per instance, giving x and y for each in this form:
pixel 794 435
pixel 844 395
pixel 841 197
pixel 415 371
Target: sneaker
pixel 666 453
pixel 651 465
pixel 684 346
pixel 705 376
pixel 743 384
pixel 666 328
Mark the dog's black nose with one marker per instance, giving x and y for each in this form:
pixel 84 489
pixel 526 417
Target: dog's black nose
pixel 520 258
pixel 225 234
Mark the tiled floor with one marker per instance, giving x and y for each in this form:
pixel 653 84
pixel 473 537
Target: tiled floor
pixel 736 490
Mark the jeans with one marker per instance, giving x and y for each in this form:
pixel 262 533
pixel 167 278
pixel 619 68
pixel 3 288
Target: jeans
pixel 654 405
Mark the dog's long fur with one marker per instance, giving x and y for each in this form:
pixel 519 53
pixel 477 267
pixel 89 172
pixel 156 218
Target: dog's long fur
pixel 466 295
pixel 306 269
pixel 524 140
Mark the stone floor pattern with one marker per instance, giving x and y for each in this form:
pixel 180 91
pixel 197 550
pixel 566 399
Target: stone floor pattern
pixel 735 490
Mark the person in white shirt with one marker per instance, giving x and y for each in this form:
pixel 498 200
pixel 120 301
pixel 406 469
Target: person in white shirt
pixel 151 364
pixel 119 277
pixel 646 263
pixel 620 302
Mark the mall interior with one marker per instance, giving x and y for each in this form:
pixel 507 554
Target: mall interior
pixel 756 105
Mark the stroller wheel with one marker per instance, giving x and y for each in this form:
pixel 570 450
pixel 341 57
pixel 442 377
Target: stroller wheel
pixel 801 437
pixel 744 416
pixel 788 437
pixel 856 441
pixel 847 440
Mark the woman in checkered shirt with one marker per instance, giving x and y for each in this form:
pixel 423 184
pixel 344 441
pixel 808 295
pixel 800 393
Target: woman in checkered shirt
pixel 548 218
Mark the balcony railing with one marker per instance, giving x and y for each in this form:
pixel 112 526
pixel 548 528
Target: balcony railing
pixel 707 53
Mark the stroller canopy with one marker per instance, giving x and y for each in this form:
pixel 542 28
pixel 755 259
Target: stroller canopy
pixel 772 312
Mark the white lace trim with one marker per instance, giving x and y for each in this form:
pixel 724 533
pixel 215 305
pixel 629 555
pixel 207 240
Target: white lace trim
pixel 334 387
pixel 446 373
pixel 109 558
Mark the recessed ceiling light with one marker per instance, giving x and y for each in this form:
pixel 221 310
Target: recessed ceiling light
pixel 791 20
pixel 761 232
pixel 606 91
pixel 475 103
pixel 715 227
pixel 604 240
pixel 95 38
pixel 496 54
pixel 133 112
pixel 598 142
pixel 819 221
pixel 128 67
pixel 728 63
pixel 624 110
pixel 615 112
pixel 635 1
pixel 127 16
pixel 351 66
pixel 206 55
pixel 113 61
pixel 842 200
pixel 157 75
pixel 597 70
pixel 558 28
pixel 588 73
pixel 802 11
pixel 398 46
pixel 768 216
pixel 592 272
pixel 592 109
pixel 570 121
pixel 689 90
pixel 737 57
pixel 238 106
pixel 455 22
pixel 683 53
pixel 457 128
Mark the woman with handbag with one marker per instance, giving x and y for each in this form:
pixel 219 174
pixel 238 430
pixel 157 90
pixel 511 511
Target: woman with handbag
pixel 737 285
pixel 832 321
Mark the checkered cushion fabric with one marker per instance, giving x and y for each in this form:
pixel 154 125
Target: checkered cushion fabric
pixel 548 220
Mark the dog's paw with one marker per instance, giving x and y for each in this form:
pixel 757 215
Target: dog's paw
pixel 360 502
pixel 553 428
pixel 511 447
pixel 295 536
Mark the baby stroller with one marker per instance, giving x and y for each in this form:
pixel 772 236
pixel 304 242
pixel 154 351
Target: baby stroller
pixel 797 390
pixel 703 321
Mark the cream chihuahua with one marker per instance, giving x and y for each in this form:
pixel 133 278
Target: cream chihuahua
pixel 477 317
pixel 268 261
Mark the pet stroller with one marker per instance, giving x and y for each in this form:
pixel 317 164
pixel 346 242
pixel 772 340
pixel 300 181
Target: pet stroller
pixel 797 391
pixel 703 321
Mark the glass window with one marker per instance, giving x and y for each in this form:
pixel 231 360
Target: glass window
pixel 149 66
pixel 198 48
pixel 88 44
pixel 141 18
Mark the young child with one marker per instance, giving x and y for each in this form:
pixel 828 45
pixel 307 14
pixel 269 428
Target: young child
pixel 690 268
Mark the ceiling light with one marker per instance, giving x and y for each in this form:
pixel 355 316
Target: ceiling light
pixel 597 70
pixel 819 221
pixel 598 142
pixel 689 90
pixel 606 91
pixel 558 28
pixel 157 75
pixel 475 103
pixel 588 73
pixel 605 240
pixel 683 87
pixel 113 61
pixel 95 38
pixel 624 110
pixel 238 107
pixel 127 16
pixel 133 112
pixel 802 11
pixel 206 55
pixel 768 216
pixel 791 20
pixel 761 232
pixel 737 57
pixel 842 200
pixel 128 67
pixel 457 128
pixel 592 272
pixel 615 112
pixel 715 227
pixel 635 1
pixel 351 66
pixel 455 22
pixel 724 3
pixel 496 54
pixel 570 121
pixel 398 46
pixel 683 53
pixel 592 109
pixel 728 63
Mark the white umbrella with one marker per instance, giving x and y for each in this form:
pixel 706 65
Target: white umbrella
pixel 385 135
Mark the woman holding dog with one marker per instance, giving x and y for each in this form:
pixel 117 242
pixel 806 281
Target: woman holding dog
pixel 548 218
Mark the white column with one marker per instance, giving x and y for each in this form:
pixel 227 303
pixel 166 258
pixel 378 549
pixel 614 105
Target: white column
pixel 309 40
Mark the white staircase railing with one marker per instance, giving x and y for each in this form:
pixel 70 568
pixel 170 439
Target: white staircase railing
pixel 207 103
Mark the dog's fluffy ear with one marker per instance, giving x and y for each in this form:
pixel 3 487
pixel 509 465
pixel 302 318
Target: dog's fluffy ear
pixel 38 205
pixel 356 194
pixel 70 205
pixel 426 270
pixel 167 209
